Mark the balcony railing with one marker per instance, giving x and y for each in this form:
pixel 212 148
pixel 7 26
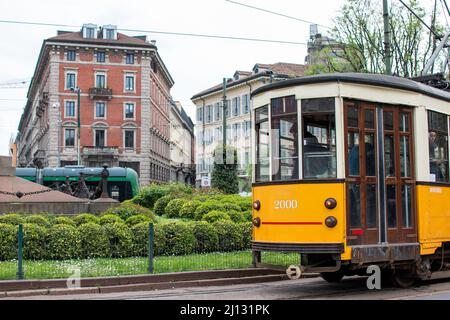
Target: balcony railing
pixel 107 151
pixel 100 93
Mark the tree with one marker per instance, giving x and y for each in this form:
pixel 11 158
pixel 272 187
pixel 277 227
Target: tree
pixel 225 173
pixel 359 30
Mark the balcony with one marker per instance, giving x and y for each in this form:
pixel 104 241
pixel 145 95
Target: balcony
pixel 100 151
pixel 100 93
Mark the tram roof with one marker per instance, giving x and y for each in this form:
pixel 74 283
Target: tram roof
pixel 73 171
pixel 360 78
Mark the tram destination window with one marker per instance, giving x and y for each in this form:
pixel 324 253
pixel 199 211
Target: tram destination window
pixel 262 144
pixel 284 139
pixel 438 146
pixel 319 138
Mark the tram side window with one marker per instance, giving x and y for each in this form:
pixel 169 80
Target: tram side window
pixel 319 138
pixel 284 139
pixel 262 144
pixel 438 146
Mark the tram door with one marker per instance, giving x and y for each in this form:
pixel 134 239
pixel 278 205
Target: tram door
pixel 379 174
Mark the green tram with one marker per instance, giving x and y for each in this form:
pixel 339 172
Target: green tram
pixel 123 183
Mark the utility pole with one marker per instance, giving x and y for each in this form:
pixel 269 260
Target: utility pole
pixel 78 90
pixel 224 120
pixel 387 38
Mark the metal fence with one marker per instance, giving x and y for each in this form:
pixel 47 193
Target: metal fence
pixel 29 266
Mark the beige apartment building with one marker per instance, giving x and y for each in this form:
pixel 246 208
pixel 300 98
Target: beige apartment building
pixel 209 111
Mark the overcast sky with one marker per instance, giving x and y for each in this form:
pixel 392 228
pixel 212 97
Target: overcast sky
pixel 194 63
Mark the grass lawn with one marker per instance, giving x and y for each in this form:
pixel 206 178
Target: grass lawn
pixel 133 266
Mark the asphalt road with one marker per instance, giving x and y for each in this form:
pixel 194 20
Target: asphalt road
pixel 353 288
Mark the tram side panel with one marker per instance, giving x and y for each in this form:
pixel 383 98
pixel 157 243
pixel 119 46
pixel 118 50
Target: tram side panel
pixel 433 217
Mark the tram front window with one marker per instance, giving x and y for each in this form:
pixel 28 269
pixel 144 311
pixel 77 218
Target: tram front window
pixel 319 138
pixel 284 139
pixel 438 146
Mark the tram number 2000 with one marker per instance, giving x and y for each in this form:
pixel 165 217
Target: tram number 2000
pixel 286 204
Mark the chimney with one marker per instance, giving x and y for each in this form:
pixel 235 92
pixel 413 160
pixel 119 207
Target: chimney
pixel 6 168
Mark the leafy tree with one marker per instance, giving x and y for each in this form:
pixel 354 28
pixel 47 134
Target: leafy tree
pixel 225 171
pixel 359 33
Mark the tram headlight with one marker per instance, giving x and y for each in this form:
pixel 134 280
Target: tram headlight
pixel 330 203
pixel 257 222
pixel 257 205
pixel 331 222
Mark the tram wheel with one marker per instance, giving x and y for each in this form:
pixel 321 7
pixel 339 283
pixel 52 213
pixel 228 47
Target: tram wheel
pixel 332 276
pixel 403 279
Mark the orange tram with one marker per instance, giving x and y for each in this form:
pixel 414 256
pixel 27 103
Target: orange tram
pixel 352 170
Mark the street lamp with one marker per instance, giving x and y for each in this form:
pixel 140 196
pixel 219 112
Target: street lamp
pixel 78 90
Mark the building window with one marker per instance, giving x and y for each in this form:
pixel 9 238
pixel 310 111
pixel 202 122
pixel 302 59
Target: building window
pixel 90 33
pixel 71 55
pixel 69 137
pixel 218 111
pixel 129 139
pixel 236 130
pixel 200 114
pixel 209 114
pixel 101 57
pixel 100 80
pixel 245 104
pixel 69 109
pixel 71 80
pixel 129 58
pixel 129 110
pixel 129 83
pixel 100 110
pixel 247 128
pixel 100 136
pixel 227 112
pixel 236 106
pixel 110 34
pixel 438 146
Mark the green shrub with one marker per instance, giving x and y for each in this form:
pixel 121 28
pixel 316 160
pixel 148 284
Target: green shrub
pixel 161 204
pixel 140 239
pixel 159 241
pixel 120 239
pixel 173 208
pixel 206 207
pixel 230 236
pixel 228 206
pixel 38 219
pixel 109 218
pixel 236 216
pixel 179 238
pixel 124 211
pixel 34 241
pixel 12 219
pixel 64 220
pixel 8 242
pixel 206 235
pixel 148 195
pixel 85 218
pixel 245 203
pixel 94 242
pixel 215 215
pixel 248 215
pixel 187 211
pixel 246 229
pixel 63 242
pixel 134 220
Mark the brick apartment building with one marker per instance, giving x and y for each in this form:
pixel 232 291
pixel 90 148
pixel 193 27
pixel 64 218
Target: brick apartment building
pixel 125 101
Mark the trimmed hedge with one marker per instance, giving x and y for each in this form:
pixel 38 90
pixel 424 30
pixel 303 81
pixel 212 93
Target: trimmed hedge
pixel 12 219
pixel 215 215
pixel 64 220
pixel 230 236
pixel 207 237
pixel 126 210
pixel 8 242
pixel 134 220
pixel 187 211
pixel 63 242
pixel 38 219
pixel 34 242
pixel 207 207
pixel 140 239
pixel 237 216
pixel 110 218
pixel 148 195
pixel 173 208
pixel 179 238
pixel 246 229
pixel 161 204
pixel 85 218
pixel 120 239
pixel 94 242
